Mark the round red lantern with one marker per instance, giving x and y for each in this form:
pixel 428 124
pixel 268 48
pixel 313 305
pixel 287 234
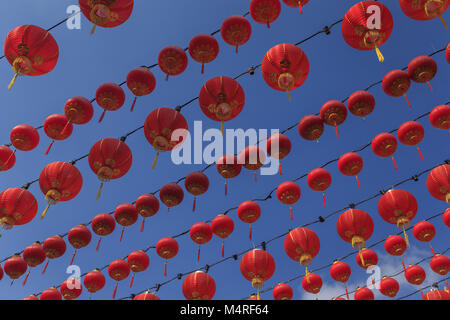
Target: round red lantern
pixel 422 69
pixel 59 181
pixel 311 127
pixel 33 255
pixel 17 207
pixel 440 117
pixel 109 159
pixel 71 289
pixel 282 291
pixel 341 271
pixel 138 262
pixel 289 193
pixel 366 258
pixel 296 4
pixel 425 10
pixel 415 275
pixel 285 67
pixel 438 182
pixel 236 31
pixel 333 113
pixel 252 158
pixel 411 133
pixel 146 296
pixel 203 48
pixel 147 206
pixel 257 266
pixel 166 248
pixel 78 110
pixel 126 215
pixel 312 283
pixel 110 97
pixel 172 60
pixel 396 83
pixel 15 267
pixel 249 212
pixel 384 145
pixel 171 195
pixel 351 164
pixel 302 245
pixel 196 183
pixel 389 287
pixel 278 147
pixel 94 281
pixel 200 233
pixel 395 245
pixel 103 224
pixel 360 32
pixel 364 294
pixel 199 286
pixel 31 51
pixel 24 137
pixel 319 180
pixel 7 158
pixel 57 127
pixel 222 226
pixel 361 103
pixel 436 295
pixel 424 231
pixel 118 270
pixel 54 247
pixel 79 237
pixel 141 82
pixel 265 12
pixel 50 294
pixel 446 217
pixel 32 297
pixel 228 167
pixel 440 264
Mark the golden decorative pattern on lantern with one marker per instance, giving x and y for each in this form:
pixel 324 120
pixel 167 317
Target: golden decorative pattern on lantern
pixel 399 86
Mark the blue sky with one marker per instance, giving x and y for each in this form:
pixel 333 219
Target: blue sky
pixel 336 71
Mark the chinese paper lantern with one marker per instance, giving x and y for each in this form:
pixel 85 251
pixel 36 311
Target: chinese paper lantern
pixel 340 271
pixel 356 227
pixel 31 297
pixel 109 159
pixel 302 245
pixel 31 51
pixel 126 215
pixel 54 247
pixel 415 274
pixel 265 12
pixel 411 133
pixel 166 248
pixel 249 212
pixel 282 291
pixel 436 295
pixel 257 266
pixel 350 164
pixel 199 286
pixel 396 83
pixel 252 158
pixel 422 69
pixel 71 289
pixel 311 127
pixel 361 103
pixel 384 145
pixel 364 294
pixel 15 267
pixel 159 127
pixel 366 258
pixel 24 137
pixel 440 264
pixel 33 255
pixel 200 233
pixel 106 14
pixel 289 193
pixel 395 245
pixel 203 48
pixel 1 272
pixel 196 183
pixel 54 126
pixel 138 262
pixel 221 99
pixel 278 146
pixel 228 167
pixel 94 281
pixel 222 226
pixel 141 82
pixel 312 283
pixel 78 110
pixel 285 67
pixel 50 294
pixel 389 287
pixel 147 206
pixel 319 180
pixel 361 32
pixel 110 97
pixel 296 4
pixel 171 195
pixel 333 113
pixel 425 10
pixel 79 237
pixel 59 181
pixel 438 182
pixel 118 270
pixel 424 231
pixel 17 207
pixel 398 207
pixel 236 31
pixel 146 296
pixel 440 117
pixel 446 218
pixel 172 60
pixel 103 224
pixel 447 53
pixel 7 158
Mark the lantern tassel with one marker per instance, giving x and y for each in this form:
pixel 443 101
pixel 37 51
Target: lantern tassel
pixel 93 29
pixel 115 290
pixel 221 128
pixel 421 293
pixel 346 292
pixel 193 205
pixel 429 86
pixel 250 232
pixel 268 24
pixel 406 237
pixel 102 116
pixel 395 164
pixel 379 54
pixel 155 160
pixel 45 267
pixel 279 167
pixel 226 187
pixel 49 147
pixel 292 214
pixel 357 181
pixel 257 295
pixel 307 274
pixel 45 211
pixel 223 248
pixel 447 198
pixel 420 153
pixel 26 278
pixel 403 264
pixel 13 80
pixel 121 234
pixel 133 104
pixel 198 253
pixel 337 131
pixel 289 95
pixel 407 100
pixel 443 22
pixel 432 251
pixel 98 244
pixel 237 46
pixel 73 257
pixel 165 268
pixel 362 258
pixel 256 178
pixel 65 127
pixel 132 280
pixel 324 200
pixel 142 225
pixel 203 68
pixel 99 192
pixel 300 7
pixel 167 77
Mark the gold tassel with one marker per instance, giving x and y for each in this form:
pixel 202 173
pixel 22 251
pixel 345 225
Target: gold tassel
pixel 155 160
pixel 289 95
pixel 362 258
pixel 13 81
pixel 93 29
pixel 99 193
pixel 257 295
pixel 447 198
pixel 443 22
pixel 379 54
pixel 221 128
pixel 406 237
pixel 45 211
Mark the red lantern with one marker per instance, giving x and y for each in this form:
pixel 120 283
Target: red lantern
pixel 440 264
pixel 340 271
pixel 339 299
pixel 424 231
pixel 249 212
pixel 147 206
pixel 78 110
pixel 172 60
pixel 103 224
pixel 447 53
pixel 59 181
pixel 31 51
pixel 159 127
pixel 389 287
pixel 333 113
pixel 203 48
pixel 364 294
pixel 50 294
pixel 106 14
pixel 425 10
pixel 33 255
pixel 252 158
pixel 118 270
pixel 265 12
pixel 109 97
pixel 440 117
pixel 257 266
pixel 422 69
pixel 438 182
pixel 228 167
pixel 222 226
pixel 126 215
pixel 285 67
pixel 361 33
pixel 171 195
pixel 396 83
pixel 166 248
pixel 71 289
pixel 302 245
pixel 311 127
pixel 24 137
pixel 278 147
pixel 200 233
pixel 15 267
pixel 319 180
pixel 17 207
pixel 94 281
pixel 398 207
pixel 351 164
pixel 282 291
pixel 146 296
pixel 366 258
pixel 7 158
pixel 415 275
pixel 1 272
pixel 296 4
pixel 411 133
pixel 312 283
pixel 446 218
pixel 221 99
pixel 138 262
pixel 141 82
pixel 384 145
pixel 79 237
pixel 289 193
pixel 54 247
pixel 199 286
pixel 395 245
pixel 236 31
pixel 361 103
pixel 196 183
pixel 57 127
pixel 437 295
pixel 32 297
pixel 109 159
